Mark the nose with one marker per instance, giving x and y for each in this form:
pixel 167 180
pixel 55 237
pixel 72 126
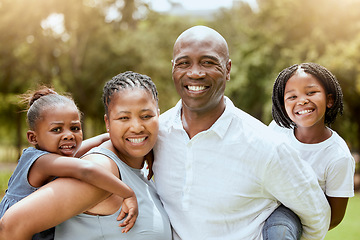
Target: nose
pixel 137 126
pixel 303 101
pixel 195 72
pixel 68 135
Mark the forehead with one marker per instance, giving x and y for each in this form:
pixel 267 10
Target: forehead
pixel 132 99
pixel 303 79
pixel 63 112
pixel 200 44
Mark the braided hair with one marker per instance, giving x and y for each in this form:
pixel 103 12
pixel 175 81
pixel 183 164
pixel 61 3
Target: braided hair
pixel 126 80
pixel 327 79
pixel 41 100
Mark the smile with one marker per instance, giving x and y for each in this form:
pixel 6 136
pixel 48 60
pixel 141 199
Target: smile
pixel 136 140
pixel 67 147
pixel 196 88
pixel 305 111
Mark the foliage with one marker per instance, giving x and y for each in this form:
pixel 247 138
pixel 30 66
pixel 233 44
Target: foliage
pixel 281 33
pixel 88 46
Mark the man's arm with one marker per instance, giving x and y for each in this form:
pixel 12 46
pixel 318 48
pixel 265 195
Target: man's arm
pixel 294 183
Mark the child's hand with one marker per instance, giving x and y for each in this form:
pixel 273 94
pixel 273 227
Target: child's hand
pixel 129 208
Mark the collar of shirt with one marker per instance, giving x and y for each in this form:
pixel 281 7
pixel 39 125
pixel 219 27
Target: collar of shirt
pixel 219 127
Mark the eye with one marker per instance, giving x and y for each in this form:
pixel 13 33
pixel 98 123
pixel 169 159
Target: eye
pixel 311 93
pixel 76 128
pixel 56 130
pixel 182 64
pixel 291 97
pixel 208 63
pixel 147 116
pixel 124 118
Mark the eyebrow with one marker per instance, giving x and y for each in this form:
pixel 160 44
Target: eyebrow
pixel 307 87
pixel 62 123
pixel 202 57
pixel 57 123
pixel 142 110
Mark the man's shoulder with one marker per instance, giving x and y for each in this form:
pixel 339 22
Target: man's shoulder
pixel 254 128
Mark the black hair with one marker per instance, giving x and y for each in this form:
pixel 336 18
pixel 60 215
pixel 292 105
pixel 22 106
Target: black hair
pixel 126 80
pixel 327 79
pixel 42 99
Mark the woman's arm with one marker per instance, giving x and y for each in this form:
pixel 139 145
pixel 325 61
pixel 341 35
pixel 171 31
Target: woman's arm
pixel 52 204
pixel 338 208
pixel 91 143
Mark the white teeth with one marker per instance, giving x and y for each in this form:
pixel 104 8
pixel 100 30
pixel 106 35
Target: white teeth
pixel 136 140
pixel 66 147
pixel 196 88
pixel 304 112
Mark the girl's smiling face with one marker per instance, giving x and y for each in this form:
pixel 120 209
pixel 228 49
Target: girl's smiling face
pixel 306 100
pixel 133 124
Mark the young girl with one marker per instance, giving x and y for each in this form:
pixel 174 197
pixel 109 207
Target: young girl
pixel 306 100
pixel 81 211
pixel 55 132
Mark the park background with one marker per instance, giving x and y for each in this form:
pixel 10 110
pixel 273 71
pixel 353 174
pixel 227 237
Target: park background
pixel 76 46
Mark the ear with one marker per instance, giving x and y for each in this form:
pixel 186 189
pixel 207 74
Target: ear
pixel 31 137
pixel 107 124
pixel 329 101
pixel 228 68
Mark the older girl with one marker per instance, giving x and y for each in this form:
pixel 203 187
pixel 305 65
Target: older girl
pixel 306 99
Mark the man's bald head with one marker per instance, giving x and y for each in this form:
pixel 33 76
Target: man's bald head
pixel 198 34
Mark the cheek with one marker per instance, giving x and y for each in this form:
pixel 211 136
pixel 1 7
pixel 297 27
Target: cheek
pixel 154 127
pixel 288 109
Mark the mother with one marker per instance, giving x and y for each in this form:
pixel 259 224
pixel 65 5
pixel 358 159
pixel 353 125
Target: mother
pixel 131 117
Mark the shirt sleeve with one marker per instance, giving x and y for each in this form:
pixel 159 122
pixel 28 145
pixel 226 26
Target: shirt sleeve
pixel 340 178
pixel 293 183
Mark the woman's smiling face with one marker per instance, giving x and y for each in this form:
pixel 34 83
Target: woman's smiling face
pixel 133 123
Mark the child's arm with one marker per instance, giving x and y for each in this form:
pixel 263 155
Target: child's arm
pixel 338 208
pixel 50 165
pixel 91 143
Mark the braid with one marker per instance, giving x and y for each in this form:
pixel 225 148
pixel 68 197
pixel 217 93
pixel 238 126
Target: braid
pixel 278 108
pixel 331 85
pixel 126 80
pixel 327 79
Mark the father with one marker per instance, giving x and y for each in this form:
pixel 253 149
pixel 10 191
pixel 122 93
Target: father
pixel 220 172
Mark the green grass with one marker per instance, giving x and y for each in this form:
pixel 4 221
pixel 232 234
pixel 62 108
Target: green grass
pixel 348 229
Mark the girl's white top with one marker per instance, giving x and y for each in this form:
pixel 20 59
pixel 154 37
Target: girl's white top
pixel 331 160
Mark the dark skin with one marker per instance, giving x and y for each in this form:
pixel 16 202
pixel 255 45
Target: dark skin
pixel 338 208
pixel 304 91
pixel 201 67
